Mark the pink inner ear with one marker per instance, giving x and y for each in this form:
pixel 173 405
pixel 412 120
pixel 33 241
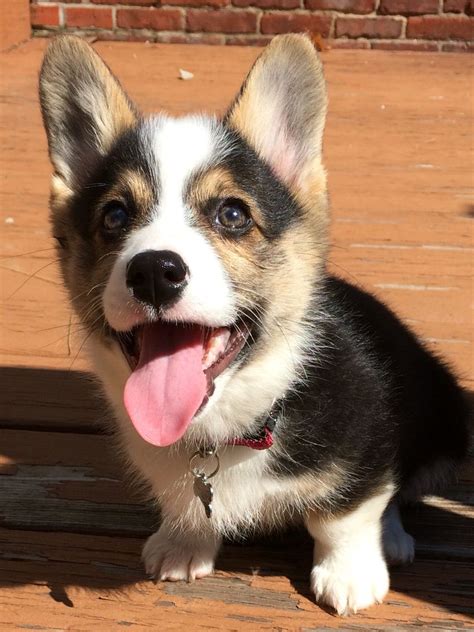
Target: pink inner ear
pixel 285 165
pixel 279 150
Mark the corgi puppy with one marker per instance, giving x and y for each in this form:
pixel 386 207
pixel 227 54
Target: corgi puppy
pixel 250 387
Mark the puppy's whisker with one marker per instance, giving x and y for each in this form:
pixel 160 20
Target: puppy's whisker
pixel 108 254
pixel 95 287
pixel 349 274
pixel 26 254
pixel 32 276
pixel 44 329
pixel 90 333
pixel 66 337
pixel 87 291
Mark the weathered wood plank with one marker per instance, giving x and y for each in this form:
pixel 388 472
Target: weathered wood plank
pixel 61 580
pixel 68 482
pixel 51 398
pixel 71 482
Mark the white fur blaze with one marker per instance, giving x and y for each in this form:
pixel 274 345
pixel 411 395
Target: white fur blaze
pixel 179 149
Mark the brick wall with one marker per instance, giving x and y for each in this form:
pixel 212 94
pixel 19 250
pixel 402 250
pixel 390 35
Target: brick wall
pixel 432 25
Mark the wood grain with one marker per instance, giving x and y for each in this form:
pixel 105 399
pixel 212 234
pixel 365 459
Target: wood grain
pixel 71 528
pixel 49 398
pixel 78 581
pixel 15 25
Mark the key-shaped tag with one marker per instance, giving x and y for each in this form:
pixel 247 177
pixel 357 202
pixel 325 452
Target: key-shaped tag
pixel 203 490
pixel 201 486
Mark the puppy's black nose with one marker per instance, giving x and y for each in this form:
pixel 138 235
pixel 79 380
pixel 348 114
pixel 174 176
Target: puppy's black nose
pixel 156 277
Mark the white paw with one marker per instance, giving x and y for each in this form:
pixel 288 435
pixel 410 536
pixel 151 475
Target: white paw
pixel 350 583
pixel 169 558
pixel 398 545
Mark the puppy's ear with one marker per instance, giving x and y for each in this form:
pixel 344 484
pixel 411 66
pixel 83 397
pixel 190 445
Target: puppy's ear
pixel 84 108
pixel 281 110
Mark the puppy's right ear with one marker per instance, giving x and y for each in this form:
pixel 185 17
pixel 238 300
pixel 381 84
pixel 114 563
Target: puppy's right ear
pixel 84 109
pixel 281 110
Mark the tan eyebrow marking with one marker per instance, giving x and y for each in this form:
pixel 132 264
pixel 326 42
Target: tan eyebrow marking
pixel 132 182
pixel 218 182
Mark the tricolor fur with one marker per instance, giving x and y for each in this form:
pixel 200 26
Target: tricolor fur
pixel 366 415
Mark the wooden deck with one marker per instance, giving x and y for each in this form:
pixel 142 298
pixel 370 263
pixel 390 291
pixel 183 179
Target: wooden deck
pixel 398 149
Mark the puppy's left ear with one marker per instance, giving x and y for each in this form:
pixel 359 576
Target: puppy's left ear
pixel 281 111
pixel 84 109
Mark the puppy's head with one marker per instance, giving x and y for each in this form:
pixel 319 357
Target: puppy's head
pixel 191 247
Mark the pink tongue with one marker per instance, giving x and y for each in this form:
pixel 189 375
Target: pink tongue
pixel 168 385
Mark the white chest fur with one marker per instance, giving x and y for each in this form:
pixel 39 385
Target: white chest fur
pixel 246 493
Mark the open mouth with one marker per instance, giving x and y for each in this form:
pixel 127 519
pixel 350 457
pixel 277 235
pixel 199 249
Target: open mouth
pixel 173 371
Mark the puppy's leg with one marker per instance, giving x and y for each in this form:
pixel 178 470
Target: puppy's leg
pixel 398 545
pixel 172 555
pixel 349 571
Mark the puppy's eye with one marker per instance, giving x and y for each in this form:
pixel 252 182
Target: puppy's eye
pixel 233 215
pixel 115 218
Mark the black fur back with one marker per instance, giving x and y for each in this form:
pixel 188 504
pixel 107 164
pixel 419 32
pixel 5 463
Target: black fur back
pixel 375 401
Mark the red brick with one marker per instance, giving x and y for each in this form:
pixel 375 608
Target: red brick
pixel 221 21
pixel 213 39
pixel 268 4
pixel 124 36
pixel 408 7
pixel 405 45
pixel 295 23
pixel 44 16
pixel 456 6
pixel 386 28
pixel 140 3
pixel 198 3
pixel 84 16
pixel 155 19
pixel 248 40
pixel 458 47
pixel 345 6
pixel 343 43
pixel 440 27
pixel 171 38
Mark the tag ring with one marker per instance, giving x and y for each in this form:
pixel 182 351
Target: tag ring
pixel 204 454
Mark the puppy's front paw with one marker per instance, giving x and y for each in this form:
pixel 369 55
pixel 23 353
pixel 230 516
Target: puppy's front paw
pixel 351 583
pixel 174 558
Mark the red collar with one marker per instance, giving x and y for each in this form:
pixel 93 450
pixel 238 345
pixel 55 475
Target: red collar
pixel 263 439
pixel 261 442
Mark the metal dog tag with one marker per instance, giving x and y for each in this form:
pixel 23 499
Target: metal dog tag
pixel 203 490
